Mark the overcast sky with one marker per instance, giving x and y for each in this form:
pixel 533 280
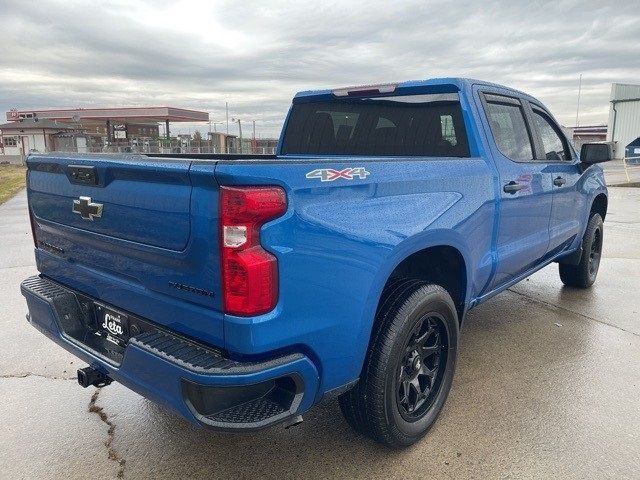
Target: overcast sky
pixel 256 55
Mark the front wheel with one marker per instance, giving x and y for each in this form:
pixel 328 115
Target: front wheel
pixel 584 273
pixel 409 368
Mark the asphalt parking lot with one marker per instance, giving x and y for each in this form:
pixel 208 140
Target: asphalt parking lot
pixel 548 385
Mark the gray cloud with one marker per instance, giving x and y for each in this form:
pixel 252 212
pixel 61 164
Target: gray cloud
pixel 256 56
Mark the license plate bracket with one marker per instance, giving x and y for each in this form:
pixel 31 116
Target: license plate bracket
pixel 112 324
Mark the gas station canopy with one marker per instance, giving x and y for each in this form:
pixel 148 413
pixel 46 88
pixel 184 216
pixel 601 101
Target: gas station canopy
pixel 132 114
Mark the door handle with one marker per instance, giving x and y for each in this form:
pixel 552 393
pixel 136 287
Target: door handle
pixel 512 187
pixel 559 181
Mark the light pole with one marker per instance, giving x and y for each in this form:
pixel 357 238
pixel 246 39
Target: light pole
pixel 253 141
pixel 578 107
pixel 215 129
pixel 239 131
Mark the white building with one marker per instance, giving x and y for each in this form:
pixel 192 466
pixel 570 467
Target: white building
pixel 17 139
pixel 624 117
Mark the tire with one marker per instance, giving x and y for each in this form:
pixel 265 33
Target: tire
pixel 351 401
pixel 410 365
pixel 583 275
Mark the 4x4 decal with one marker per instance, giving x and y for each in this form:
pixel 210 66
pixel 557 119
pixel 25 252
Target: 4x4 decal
pixel 329 174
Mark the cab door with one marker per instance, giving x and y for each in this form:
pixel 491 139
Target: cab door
pixel 561 163
pixel 525 188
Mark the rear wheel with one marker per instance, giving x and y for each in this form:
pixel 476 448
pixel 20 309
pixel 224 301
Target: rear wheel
pixel 583 275
pixel 409 368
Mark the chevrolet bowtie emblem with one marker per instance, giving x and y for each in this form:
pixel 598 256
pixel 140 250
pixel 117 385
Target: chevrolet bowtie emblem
pixel 86 208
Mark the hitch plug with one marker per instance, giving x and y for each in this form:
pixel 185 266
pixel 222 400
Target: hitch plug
pixel 88 376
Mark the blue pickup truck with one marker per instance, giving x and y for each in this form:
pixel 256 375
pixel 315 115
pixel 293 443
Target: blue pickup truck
pixel 242 290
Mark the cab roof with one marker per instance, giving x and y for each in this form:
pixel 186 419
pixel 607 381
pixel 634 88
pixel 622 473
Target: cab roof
pixel 432 85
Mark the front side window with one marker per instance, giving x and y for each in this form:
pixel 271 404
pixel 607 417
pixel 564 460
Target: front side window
pixel 554 147
pixel 428 125
pixel 510 131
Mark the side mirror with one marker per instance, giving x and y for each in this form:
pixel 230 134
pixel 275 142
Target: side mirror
pixel 596 153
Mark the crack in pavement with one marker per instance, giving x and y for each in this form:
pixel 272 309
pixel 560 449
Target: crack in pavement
pixel 31 374
pixel 553 306
pixel 112 453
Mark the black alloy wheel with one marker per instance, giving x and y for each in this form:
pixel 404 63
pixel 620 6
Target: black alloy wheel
pixel 595 252
pixel 421 368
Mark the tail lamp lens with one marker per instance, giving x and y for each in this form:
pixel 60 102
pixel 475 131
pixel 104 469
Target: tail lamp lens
pixel 249 273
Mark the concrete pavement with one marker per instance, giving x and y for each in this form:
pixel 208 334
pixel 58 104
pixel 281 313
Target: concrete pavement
pixel 547 385
pixel 617 173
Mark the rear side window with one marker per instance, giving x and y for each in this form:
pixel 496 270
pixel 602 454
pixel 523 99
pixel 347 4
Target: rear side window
pixel 554 147
pixel 410 125
pixel 510 131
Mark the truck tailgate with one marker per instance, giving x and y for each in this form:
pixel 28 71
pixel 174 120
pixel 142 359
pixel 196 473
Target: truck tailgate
pixel 142 201
pixel 142 235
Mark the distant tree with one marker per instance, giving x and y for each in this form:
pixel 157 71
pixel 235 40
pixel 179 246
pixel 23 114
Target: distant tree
pixel 197 136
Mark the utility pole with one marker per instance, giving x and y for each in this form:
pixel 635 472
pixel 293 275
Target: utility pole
pixel 579 91
pixel 226 106
pixel 253 141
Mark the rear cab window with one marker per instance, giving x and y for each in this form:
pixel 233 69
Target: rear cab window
pixel 429 125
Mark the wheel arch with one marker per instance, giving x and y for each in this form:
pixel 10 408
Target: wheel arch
pixel 599 205
pixel 427 247
pixel 424 249
pixel 442 265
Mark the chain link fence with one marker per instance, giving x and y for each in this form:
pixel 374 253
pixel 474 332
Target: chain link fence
pixel 174 145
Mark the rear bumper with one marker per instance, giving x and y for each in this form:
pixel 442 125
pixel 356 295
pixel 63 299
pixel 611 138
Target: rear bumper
pixel 192 379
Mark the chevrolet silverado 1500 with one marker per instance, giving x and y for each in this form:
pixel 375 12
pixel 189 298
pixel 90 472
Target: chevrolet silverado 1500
pixel 242 290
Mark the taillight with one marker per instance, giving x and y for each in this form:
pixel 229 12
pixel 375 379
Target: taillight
pixel 249 273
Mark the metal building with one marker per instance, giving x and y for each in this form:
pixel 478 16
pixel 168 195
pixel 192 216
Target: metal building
pixel 624 116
